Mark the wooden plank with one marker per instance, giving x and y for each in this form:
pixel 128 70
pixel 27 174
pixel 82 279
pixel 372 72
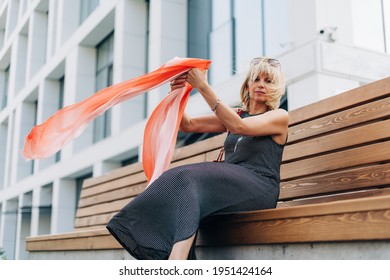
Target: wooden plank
pixel 366 225
pixel 303 211
pixel 364 113
pixel 194 159
pixel 92 221
pixel 349 98
pixel 369 154
pixel 97 239
pixel 351 179
pixel 102 208
pixel 114 174
pixel 135 179
pixel 199 147
pixel 77 244
pixel 335 197
pixel 118 183
pixel 68 235
pixel 126 192
pixel 351 137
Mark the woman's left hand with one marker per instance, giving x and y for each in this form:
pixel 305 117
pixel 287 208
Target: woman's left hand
pixel 197 78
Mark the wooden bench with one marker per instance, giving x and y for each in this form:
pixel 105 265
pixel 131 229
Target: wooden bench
pixel 335 183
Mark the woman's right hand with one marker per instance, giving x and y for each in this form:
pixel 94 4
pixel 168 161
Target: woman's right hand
pixel 179 82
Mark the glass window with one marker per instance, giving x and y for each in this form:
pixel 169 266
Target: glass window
pixel 104 78
pixel 131 160
pixel 60 106
pixel 86 8
pixel 4 97
pixel 284 102
pixel 45 209
pixel 79 186
pixel 199 27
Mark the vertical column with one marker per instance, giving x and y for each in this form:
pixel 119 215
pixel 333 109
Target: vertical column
pixel 2 28
pixel 64 206
pixel 2 210
pixel 305 63
pixel 167 39
pixel 221 41
pixel 79 84
pixel 130 58
pixel 48 104
pixel 24 121
pixel 248 20
pixel 52 28
pixel 68 20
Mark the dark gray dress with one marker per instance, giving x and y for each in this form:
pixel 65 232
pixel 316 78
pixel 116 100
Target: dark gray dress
pixel 172 207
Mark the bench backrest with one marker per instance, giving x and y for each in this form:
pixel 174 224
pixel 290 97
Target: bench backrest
pixel 338 148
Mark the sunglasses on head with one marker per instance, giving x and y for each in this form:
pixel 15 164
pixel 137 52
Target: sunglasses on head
pixel 271 61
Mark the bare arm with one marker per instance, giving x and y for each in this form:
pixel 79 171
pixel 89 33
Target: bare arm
pixel 208 123
pixel 271 123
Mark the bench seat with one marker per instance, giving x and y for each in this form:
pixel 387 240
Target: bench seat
pixel 332 221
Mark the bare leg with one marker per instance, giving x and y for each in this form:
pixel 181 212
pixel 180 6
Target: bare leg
pixel 181 249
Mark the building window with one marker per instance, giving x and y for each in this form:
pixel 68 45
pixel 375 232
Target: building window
pixel 199 28
pixel 79 186
pixel 86 8
pixel 45 209
pixel 131 160
pixel 284 102
pixel 4 97
pixel 104 78
pixel 61 82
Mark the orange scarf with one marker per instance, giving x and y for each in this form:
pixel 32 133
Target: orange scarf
pixel 161 129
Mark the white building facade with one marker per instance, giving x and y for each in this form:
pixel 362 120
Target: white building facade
pixel 54 53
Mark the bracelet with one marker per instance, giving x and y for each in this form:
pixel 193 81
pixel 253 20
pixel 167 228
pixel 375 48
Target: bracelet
pixel 216 105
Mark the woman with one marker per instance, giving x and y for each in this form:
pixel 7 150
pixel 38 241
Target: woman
pixel 161 222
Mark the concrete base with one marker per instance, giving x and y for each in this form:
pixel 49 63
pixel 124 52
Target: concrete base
pixel 379 250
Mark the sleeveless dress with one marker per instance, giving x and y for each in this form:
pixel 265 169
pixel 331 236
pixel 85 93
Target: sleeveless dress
pixel 173 206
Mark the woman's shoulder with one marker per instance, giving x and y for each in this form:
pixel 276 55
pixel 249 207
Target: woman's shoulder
pixel 280 113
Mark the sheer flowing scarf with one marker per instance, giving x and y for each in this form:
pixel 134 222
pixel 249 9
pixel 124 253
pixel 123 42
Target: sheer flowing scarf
pixel 161 129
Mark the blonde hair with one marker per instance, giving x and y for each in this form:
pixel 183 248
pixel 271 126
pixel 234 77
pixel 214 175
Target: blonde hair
pixel 276 88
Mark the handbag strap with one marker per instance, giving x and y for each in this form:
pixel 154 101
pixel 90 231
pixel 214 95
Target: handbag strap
pixel 222 151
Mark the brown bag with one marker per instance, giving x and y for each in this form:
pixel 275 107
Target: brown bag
pixel 220 155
